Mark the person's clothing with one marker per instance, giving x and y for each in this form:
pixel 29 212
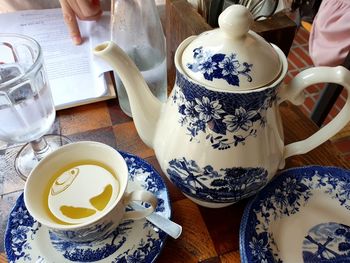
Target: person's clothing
pixel 16 5
pixel 329 42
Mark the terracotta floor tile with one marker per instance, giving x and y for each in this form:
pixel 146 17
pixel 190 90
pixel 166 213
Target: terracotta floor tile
pixel 340 102
pixel 304 34
pixel 320 85
pixel 344 93
pixel 316 96
pixel 334 111
pixel 287 78
pixel 313 89
pixel 290 66
pixel 309 103
pixel 327 120
pixel 303 55
pixel 291 60
pixel 296 60
pixel 305 110
pixel 298 40
pixel 293 73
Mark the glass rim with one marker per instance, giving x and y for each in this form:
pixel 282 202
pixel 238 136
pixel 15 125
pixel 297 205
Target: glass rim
pixel 34 65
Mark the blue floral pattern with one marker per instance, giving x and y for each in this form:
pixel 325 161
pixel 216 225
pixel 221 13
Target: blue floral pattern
pixel 226 119
pixel 92 251
pixel 20 230
pixel 224 186
pixel 219 66
pixel 283 197
pixel 131 241
pixel 87 234
pixel 146 251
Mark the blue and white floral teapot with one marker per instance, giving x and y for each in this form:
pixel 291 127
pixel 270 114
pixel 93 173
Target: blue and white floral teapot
pixel 219 136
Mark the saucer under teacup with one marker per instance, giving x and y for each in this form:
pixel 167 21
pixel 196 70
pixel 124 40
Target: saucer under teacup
pixel 26 240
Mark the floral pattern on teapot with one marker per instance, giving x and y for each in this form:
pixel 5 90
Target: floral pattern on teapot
pixel 219 66
pixel 207 184
pixel 228 119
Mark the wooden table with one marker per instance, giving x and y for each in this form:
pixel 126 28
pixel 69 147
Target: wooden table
pixel 209 235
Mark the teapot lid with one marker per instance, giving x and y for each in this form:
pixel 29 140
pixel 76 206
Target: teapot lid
pixel 231 57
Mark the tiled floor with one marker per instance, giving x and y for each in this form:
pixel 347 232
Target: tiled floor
pixel 298 60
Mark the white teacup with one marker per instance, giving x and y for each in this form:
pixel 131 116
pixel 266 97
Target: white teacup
pixel 99 226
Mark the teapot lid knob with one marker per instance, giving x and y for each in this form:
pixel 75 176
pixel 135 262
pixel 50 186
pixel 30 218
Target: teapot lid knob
pixel 235 21
pixel 232 57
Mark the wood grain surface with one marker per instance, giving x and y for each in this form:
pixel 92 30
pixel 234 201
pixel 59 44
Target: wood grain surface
pixel 209 235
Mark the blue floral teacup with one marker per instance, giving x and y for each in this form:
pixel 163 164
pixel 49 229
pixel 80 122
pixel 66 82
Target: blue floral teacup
pixel 67 177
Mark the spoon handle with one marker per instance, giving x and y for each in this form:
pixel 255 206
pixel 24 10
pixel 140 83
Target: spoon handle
pixel 171 228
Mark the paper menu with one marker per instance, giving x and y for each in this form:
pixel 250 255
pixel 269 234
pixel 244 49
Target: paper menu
pixel 75 76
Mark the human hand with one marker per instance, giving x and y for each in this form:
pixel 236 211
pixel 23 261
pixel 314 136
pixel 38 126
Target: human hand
pixel 84 10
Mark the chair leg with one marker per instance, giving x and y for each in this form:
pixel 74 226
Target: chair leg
pixel 325 103
pixel 328 97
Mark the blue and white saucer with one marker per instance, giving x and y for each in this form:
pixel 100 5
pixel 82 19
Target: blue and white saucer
pixel 26 240
pixel 303 215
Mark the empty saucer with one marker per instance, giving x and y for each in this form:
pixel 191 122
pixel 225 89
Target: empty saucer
pixel 303 215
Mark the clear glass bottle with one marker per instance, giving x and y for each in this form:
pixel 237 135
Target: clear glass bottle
pixel 136 28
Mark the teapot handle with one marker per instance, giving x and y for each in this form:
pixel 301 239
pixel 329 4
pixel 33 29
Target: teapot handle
pixel 294 93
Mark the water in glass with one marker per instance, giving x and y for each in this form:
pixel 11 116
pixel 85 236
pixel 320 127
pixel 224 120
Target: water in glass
pixel 27 111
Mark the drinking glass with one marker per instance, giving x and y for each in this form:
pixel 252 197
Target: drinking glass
pixel 137 29
pixel 27 110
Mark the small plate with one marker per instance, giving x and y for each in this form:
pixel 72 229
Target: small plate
pixel 303 215
pixel 26 240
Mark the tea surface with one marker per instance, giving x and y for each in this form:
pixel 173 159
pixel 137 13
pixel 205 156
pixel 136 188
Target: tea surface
pixel 81 192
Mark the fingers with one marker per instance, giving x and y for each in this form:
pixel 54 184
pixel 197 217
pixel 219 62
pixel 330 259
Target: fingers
pixel 84 10
pixel 87 9
pixel 71 22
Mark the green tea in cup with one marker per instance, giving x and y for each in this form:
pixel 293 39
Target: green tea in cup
pixel 80 192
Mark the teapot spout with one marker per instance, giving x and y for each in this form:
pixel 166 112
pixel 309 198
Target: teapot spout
pixel 145 107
